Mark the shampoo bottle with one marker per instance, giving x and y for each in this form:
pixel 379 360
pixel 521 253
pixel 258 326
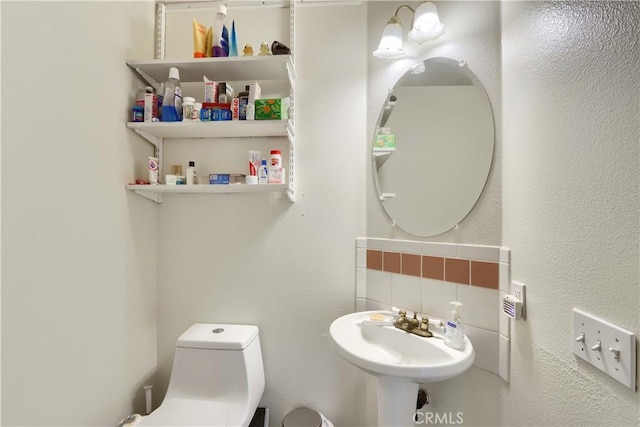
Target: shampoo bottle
pixel 453 331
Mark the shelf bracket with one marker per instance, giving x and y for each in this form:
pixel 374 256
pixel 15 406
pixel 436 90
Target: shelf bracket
pixel 156 141
pixel 151 195
pixel 146 78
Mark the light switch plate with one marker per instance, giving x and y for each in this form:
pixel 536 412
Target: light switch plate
pixel 616 355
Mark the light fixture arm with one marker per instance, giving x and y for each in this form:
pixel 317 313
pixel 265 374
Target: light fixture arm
pixel 395 20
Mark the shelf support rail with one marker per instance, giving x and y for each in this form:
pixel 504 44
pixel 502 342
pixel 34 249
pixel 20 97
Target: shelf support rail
pixel 291 190
pixel 161 28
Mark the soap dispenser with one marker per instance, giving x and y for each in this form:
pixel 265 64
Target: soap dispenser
pixel 453 331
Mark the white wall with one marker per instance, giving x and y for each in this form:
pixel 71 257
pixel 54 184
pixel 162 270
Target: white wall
pixel 257 258
pixel 472 34
pixel 78 266
pixel 570 173
pixel 571 202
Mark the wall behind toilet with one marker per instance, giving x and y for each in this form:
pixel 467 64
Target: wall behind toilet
pixel 288 268
pixel 78 251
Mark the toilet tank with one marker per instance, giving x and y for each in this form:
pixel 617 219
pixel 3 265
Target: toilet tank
pixel 218 362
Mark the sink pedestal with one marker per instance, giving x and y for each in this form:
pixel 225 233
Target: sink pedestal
pixel 396 401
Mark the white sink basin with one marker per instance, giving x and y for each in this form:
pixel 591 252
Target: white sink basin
pixel 387 350
pixel 400 361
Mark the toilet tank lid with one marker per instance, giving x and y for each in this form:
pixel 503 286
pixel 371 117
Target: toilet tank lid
pixel 218 336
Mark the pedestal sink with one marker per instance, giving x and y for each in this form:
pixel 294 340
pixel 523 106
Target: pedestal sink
pixel 400 361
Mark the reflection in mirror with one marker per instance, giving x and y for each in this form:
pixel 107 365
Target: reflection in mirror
pixel 433 147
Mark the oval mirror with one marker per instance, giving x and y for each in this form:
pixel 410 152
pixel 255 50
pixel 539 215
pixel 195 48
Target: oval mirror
pixel 433 147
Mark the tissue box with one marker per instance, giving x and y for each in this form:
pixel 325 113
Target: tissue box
pixel 386 141
pixel 272 109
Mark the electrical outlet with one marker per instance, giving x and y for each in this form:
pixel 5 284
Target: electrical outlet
pixel 519 293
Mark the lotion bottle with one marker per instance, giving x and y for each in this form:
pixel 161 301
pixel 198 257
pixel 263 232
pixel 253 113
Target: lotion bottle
pixel 453 330
pixel 263 173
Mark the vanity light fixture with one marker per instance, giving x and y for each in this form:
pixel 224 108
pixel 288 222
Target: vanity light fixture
pixel 426 26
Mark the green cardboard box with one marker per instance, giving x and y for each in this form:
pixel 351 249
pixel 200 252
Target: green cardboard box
pixel 272 109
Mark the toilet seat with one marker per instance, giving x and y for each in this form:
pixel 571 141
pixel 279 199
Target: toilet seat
pixel 188 412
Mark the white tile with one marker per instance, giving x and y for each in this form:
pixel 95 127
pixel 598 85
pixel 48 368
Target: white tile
pixel 503 320
pixel 375 305
pixel 406 292
pixel 361 258
pixel 486 346
pixel 380 244
pixel 480 306
pixel 407 246
pixel 505 255
pixel 438 249
pixel 479 252
pixel 361 304
pixel 361 282
pixel 504 277
pixel 379 286
pixel 361 242
pixel 504 359
pixel 437 296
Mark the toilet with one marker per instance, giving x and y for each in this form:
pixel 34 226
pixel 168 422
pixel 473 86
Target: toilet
pixel 217 378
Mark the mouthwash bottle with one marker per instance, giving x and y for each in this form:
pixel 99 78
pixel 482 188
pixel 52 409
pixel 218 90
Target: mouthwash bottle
pixel 172 100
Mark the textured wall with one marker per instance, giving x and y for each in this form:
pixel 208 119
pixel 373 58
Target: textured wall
pixel 472 34
pixel 257 258
pixel 571 201
pixel 78 265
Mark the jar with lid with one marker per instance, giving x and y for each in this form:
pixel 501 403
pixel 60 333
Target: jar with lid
pixel 188 105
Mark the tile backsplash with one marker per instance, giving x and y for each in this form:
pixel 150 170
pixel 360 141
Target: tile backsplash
pixel 426 276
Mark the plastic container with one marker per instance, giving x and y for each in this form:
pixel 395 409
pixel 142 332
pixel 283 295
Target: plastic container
pixel 263 173
pixel 197 107
pixel 172 99
pixel 453 330
pixel 141 93
pixel 192 175
pixel 276 171
pixel 188 105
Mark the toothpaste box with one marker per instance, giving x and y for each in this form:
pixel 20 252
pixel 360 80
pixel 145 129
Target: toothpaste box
pixel 219 178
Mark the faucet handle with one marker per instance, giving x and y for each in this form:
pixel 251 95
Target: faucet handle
pixel 425 323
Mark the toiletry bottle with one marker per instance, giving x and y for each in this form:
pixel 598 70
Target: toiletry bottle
pixel 276 171
pixel 188 105
pixel 220 33
pixel 172 100
pixel 244 100
pixel 263 173
pixel 192 175
pixel 453 331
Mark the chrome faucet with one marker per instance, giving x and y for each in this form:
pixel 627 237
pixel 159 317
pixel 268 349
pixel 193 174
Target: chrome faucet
pixel 413 326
